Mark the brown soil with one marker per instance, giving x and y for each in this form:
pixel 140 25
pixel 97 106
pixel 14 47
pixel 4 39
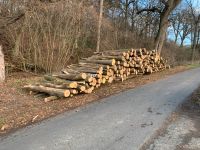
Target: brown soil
pixel 18 108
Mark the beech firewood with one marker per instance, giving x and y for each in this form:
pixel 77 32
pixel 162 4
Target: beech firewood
pixel 104 62
pixel 101 68
pixel 48 90
pixel 72 77
pixel 50 98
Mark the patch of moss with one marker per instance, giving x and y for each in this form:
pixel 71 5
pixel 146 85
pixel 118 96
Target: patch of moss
pixel 192 66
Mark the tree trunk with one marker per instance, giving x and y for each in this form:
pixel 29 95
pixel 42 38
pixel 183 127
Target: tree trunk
pixel 99 26
pixel 2 66
pixel 50 98
pixel 194 45
pixel 182 40
pixel 176 31
pixel 161 35
pixel 126 23
pixel 163 25
pixel 198 37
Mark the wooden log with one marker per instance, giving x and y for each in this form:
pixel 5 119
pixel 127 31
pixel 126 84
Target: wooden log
pixel 148 70
pixel 87 65
pixel 99 81
pixel 71 84
pixel 81 88
pixel 72 77
pixel 113 53
pixel 96 66
pixel 113 68
pixel 103 80
pixel 61 86
pixel 104 57
pixel 106 67
pixel 94 82
pixel 48 90
pixel 97 85
pixel 88 69
pixel 50 98
pixel 110 80
pixel 95 75
pixel 104 62
pixel 73 91
pixel 105 76
pixel 89 79
pixel 89 90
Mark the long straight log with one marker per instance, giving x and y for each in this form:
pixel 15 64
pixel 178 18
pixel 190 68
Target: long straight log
pixel 104 62
pixel 71 84
pixel 79 70
pixel 50 98
pixel 72 77
pixel 107 57
pixel 94 66
pixel 50 91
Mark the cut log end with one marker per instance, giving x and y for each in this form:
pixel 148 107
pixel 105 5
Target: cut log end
pixel 67 93
pixel 73 85
pixel 50 98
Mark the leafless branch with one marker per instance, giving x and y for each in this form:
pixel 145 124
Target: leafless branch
pixel 153 9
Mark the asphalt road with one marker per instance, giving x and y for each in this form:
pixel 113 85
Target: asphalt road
pixel 120 122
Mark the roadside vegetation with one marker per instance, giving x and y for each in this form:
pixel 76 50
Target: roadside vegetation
pixel 45 36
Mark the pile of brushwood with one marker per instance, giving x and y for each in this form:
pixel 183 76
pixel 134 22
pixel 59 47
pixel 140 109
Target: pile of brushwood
pixel 101 68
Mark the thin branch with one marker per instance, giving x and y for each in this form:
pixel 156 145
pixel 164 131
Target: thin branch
pixel 153 9
pixel 164 2
pixel 10 20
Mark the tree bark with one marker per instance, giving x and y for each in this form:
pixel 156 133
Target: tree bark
pixel 72 77
pixel 126 22
pixel 50 91
pixel 2 66
pixel 163 25
pixel 194 45
pixel 99 26
pixel 110 62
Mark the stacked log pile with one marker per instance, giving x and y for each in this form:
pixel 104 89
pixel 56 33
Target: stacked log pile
pixel 101 68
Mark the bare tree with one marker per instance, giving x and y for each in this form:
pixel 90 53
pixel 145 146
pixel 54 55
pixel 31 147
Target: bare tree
pixel 176 25
pixel 181 24
pixel 164 9
pixel 195 20
pixel 99 26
